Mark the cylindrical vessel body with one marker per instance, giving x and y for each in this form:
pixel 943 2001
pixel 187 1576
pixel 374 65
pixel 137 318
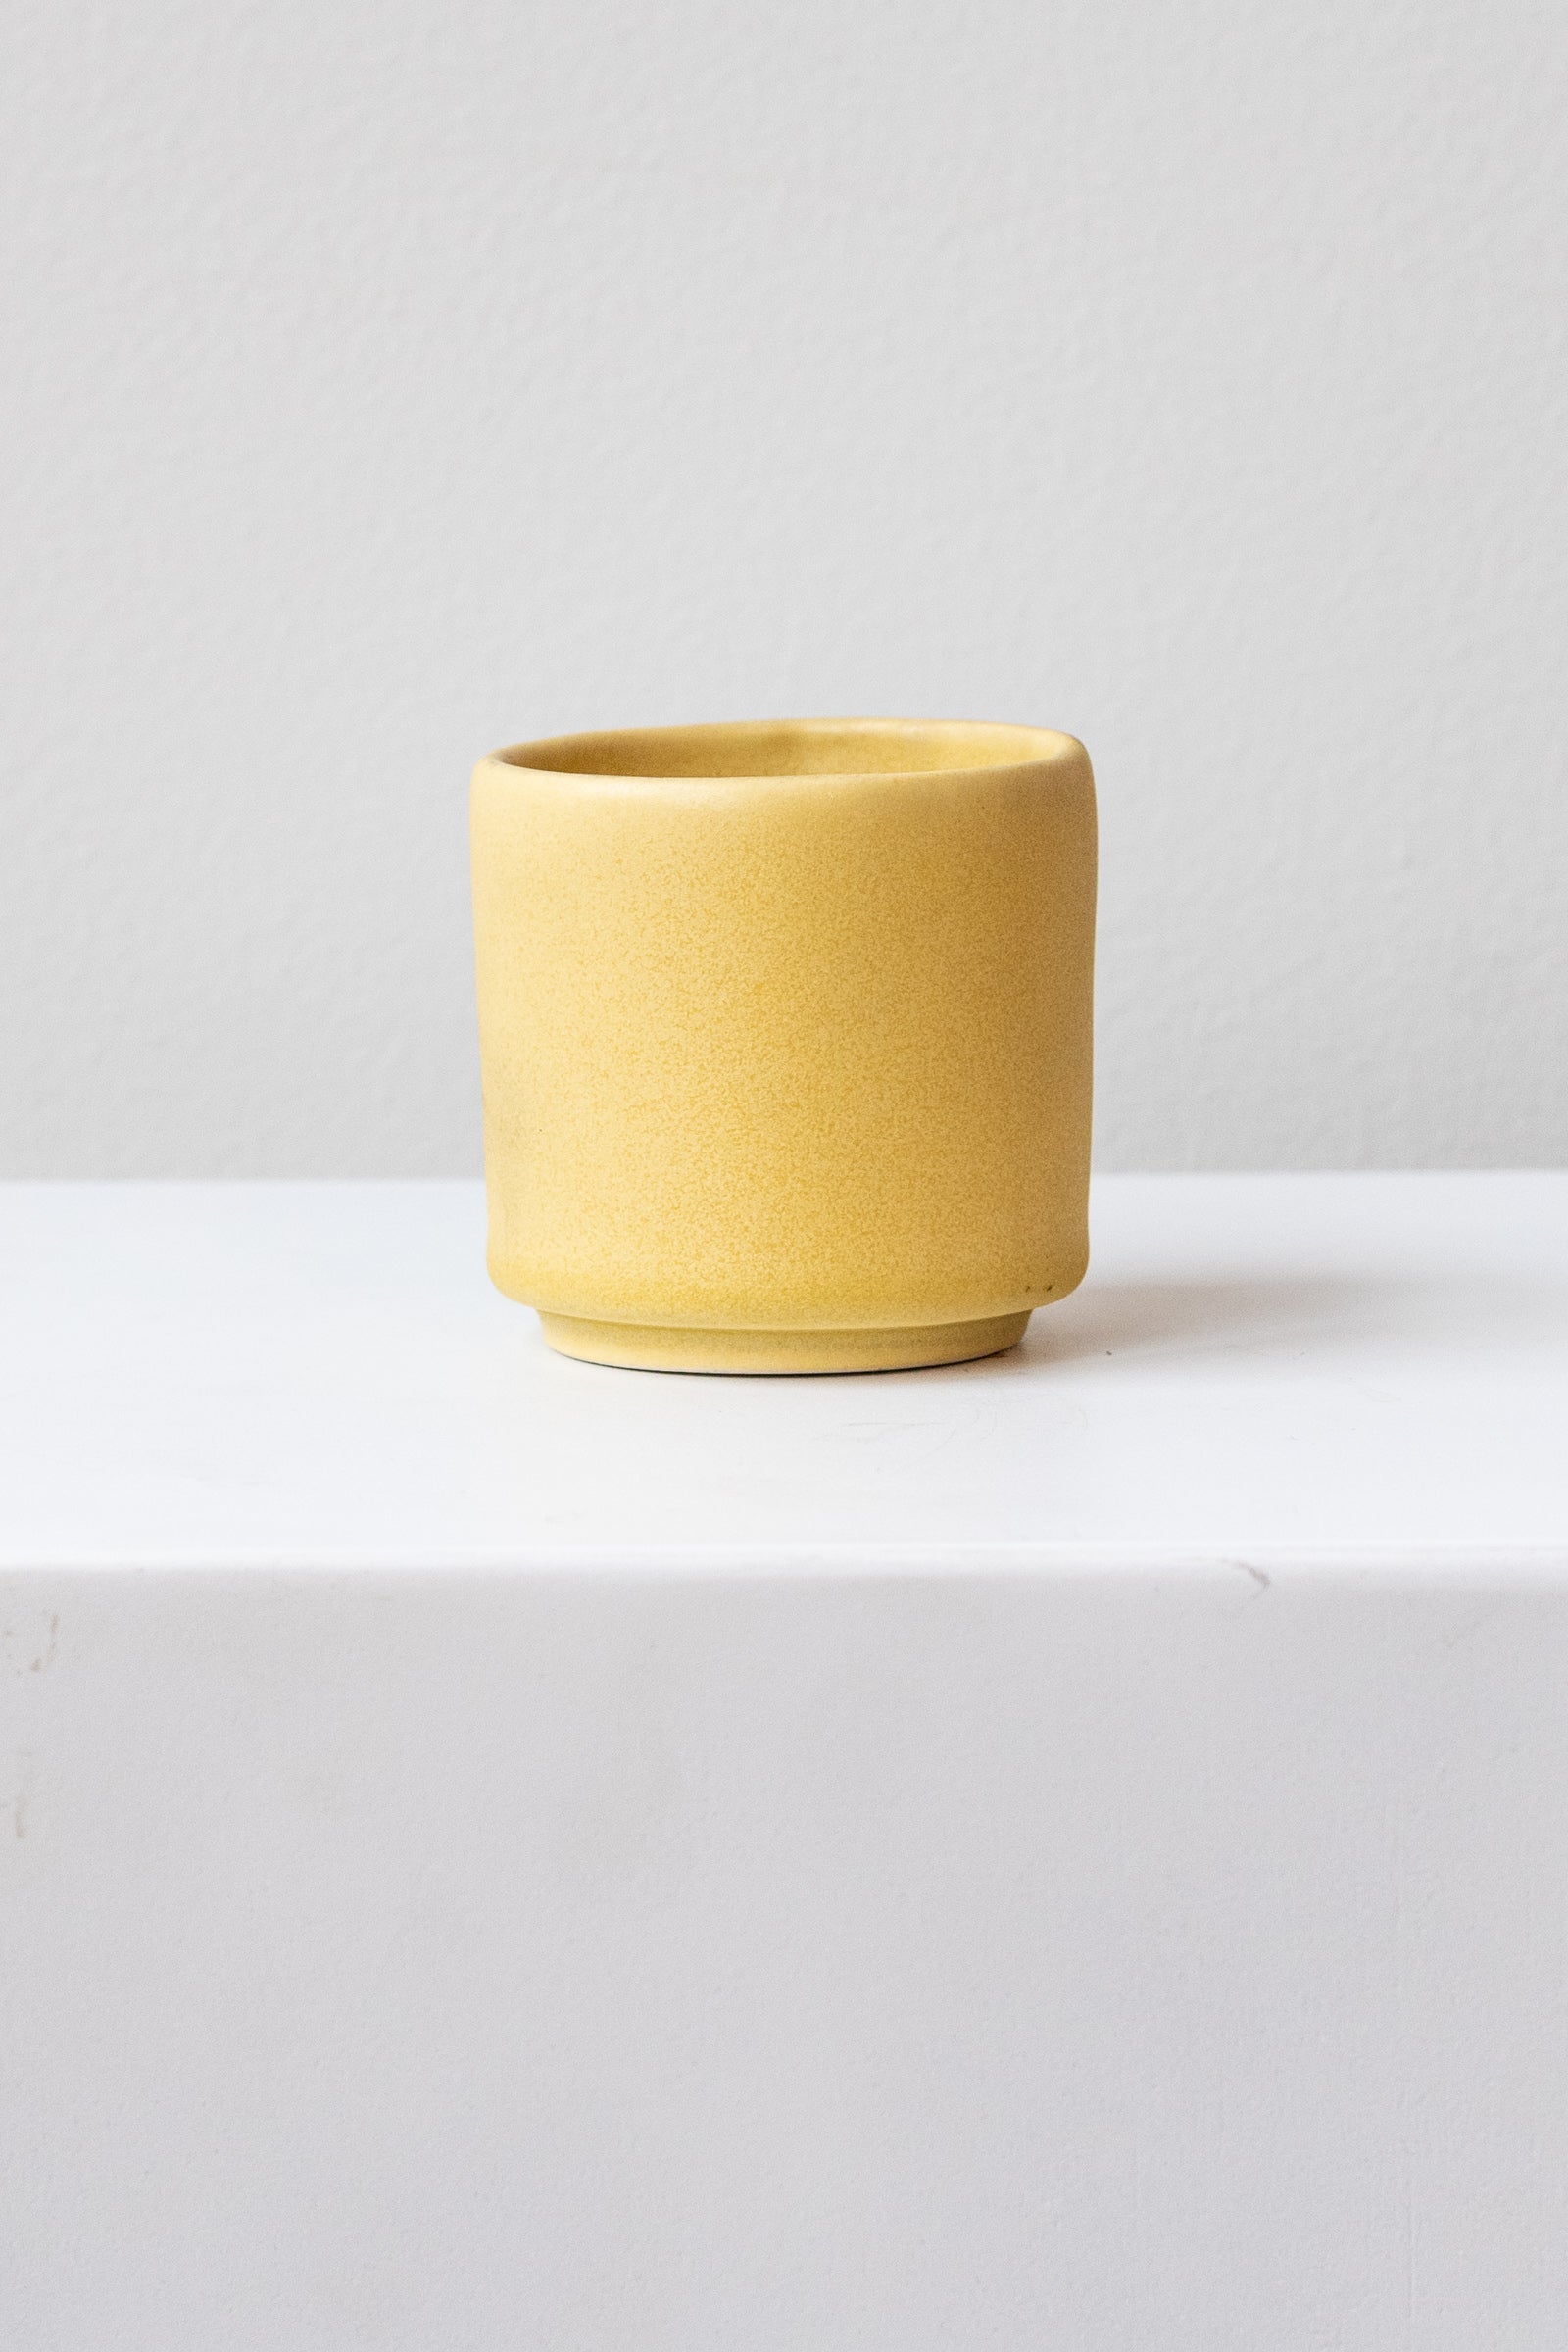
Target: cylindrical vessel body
pixel 786 1035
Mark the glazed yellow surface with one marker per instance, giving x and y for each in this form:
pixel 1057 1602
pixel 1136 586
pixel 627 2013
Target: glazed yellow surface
pixel 786 1029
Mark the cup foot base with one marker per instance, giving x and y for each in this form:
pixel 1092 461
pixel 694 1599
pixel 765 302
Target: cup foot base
pixel 652 1347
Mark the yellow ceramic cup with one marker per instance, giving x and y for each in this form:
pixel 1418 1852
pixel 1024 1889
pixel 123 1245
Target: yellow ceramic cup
pixel 786 1037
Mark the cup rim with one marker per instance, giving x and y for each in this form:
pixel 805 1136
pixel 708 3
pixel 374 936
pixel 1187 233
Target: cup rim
pixel 761 751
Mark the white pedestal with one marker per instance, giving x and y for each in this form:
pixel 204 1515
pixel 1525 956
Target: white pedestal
pixel 501 1855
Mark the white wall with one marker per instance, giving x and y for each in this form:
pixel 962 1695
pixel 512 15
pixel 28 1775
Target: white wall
pixel 387 382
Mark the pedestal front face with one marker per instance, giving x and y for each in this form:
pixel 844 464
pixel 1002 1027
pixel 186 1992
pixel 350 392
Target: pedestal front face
pixel 796 1964
pixel 801 1051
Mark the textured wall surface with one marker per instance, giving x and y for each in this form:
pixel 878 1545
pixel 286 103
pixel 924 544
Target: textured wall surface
pixel 386 382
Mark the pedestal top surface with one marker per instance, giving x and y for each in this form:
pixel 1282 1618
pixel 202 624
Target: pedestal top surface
pixel 1261 1372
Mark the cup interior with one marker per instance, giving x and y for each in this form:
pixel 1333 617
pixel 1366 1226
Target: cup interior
pixel 793 747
